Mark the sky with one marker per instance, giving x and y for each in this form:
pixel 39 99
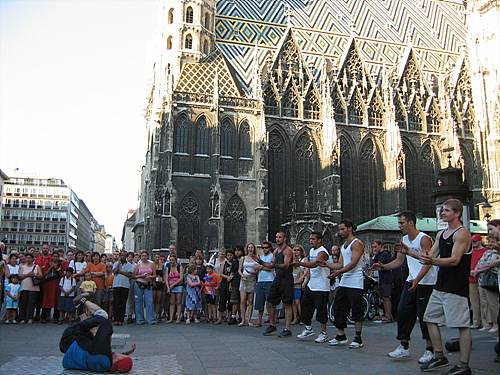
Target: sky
pixel 74 77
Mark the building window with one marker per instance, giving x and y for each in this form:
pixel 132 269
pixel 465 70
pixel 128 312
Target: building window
pixel 290 103
pixel 202 146
pixel 169 42
pixel 171 16
pixel 235 220
pixel 189 224
pixel 375 112
pixel 207 21
pixel 206 47
pixel 356 110
pixel 227 148
pixel 306 173
pixel 271 104
pixel 189 15
pixel 188 42
pixel 434 119
pixel 245 150
pixel 278 193
pixel 415 117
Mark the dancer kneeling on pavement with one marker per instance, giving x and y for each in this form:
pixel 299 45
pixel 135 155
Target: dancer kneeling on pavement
pixel 87 344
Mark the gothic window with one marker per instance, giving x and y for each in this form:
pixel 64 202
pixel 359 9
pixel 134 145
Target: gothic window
pixel 400 113
pixel 370 182
pixel 278 194
pixel 244 150
pixel 356 109
pixel 311 106
pixel 271 104
pixel 181 145
pixel 235 221
pixel 411 175
pixel 375 112
pixel 338 108
pixel 227 148
pixel 171 16
pixel 202 146
pixel 189 234
pixel 468 121
pixel 415 117
pixel 207 21
pixel 426 175
pixel 434 118
pixel 205 47
pixel 290 103
pixel 189 15
pixel 306 167
pixel 188 42
pixel 169 42
pixel 347 172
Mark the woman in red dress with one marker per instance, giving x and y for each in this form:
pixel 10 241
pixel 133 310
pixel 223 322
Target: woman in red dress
pixel 50 287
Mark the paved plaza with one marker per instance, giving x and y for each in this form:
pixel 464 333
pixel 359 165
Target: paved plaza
pixel 201 349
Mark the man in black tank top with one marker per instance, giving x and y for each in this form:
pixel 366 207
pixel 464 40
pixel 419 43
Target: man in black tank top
pixel 448 303
pixel 282 286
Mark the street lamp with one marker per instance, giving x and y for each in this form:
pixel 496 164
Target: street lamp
pixel 486 208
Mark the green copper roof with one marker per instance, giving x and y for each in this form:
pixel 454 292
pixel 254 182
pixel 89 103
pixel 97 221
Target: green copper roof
pixel 426 224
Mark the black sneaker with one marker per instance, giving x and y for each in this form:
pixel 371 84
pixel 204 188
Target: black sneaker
pixel 232 321
pixel 269 330
pixel 434 363
pixel 459 370
pixel 285 333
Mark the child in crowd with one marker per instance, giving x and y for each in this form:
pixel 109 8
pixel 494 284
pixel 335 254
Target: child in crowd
pixel 67 286
pixel 193 296
pixel 210 284
pixel 107 301
pixel 299 274
pixel 12 291
pixel 88 286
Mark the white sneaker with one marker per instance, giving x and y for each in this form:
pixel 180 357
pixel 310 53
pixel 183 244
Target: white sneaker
pixel 426 357
pixel 307 332
pixel 336 342
pixel 188 321
pixel 196 320
pixel 399 353
pixel 355 344
pixel 491 330
pixel 322 337
pixel 485 328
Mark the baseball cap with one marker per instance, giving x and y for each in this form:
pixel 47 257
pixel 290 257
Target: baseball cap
pixel 124 364
pixel 476 237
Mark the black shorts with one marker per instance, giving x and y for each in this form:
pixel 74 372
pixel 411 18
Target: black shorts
pixel 314 300
pixel 385 289
pixel 281 290
pixel 347 300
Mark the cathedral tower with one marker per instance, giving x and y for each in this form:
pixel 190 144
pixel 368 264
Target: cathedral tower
pixel 187 32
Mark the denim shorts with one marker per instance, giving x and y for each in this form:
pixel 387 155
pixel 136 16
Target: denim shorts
pixel 297 293
pixel 177 289
pixel 261 293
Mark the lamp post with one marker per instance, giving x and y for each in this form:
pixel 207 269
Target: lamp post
pixel 486 208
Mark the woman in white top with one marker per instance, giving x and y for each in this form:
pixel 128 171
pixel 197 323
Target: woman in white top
pixel 79 265
pixel 29 293
pixel 248 272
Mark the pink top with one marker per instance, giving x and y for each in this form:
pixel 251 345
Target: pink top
pixel 173 277
pixel 143 269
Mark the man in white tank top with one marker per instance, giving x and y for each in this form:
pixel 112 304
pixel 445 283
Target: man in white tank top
pixel 417 289
pixel 316 294
pixel 349 295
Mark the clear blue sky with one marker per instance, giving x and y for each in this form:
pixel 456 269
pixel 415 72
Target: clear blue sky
pixel 74 76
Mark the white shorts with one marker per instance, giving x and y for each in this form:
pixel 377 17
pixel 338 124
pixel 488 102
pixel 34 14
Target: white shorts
pixel 101 312
pixel 449 309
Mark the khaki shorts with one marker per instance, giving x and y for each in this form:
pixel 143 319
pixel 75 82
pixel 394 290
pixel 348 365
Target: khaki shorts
pixel 449 309
pixel 248 285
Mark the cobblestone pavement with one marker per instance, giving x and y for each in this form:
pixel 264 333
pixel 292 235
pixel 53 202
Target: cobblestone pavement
pixel 203 349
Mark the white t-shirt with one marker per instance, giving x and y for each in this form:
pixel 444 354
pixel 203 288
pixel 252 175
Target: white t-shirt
pixel 353 278
pixel 13 270
pixel 414 265
pixel 319 280
pixel 77 266
pixel 66 285
pixel 266 275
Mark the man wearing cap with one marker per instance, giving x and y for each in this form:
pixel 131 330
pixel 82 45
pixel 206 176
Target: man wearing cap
pixel 478 313
pixel 87 344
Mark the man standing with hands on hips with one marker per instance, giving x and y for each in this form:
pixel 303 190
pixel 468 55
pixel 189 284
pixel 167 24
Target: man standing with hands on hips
pixel 448 303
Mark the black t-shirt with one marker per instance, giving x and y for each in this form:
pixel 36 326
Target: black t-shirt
pixel 384 257
pixel 235 282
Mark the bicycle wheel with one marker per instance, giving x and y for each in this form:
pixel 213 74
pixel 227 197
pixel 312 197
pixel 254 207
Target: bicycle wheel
pixel 372 310
pixel 364 303
pixel 330 312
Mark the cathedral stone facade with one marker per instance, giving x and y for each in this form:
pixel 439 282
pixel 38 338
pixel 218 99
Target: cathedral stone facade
pixel 266 115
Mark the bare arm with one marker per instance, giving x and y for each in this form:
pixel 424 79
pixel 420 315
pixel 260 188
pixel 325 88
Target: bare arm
pixel 461 243
pixel 320 261
pixel 357 253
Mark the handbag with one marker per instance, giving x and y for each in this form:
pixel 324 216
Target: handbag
pixel 489 281
pixel 52 275
pixel 36 280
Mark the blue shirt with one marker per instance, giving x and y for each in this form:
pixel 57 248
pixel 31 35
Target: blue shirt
pixel 76 358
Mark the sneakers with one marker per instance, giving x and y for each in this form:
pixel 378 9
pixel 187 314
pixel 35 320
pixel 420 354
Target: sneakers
pixel 426 357
pixel 322 337
pixel 493 329
pixel 269 330
pixel 338 340
pixel 356 343
pixel 400 353
pixel 196 320
pixel 307 332
pixel 188 321
pixel 285 333
pixel 459 370
pixel 434 363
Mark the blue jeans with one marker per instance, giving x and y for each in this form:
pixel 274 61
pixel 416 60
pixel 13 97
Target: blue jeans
pixel 144 300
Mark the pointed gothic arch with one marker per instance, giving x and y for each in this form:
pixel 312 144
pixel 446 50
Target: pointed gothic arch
pixel 311 105
pixel 188 218
pixel 411 174
pixel 189 15
pixel 426 176
pixel 468 121
pixel 171 16
pixel 270 101
pixel 356 110
pixel 416 116
pixel 434 118
pixel 339 106
pixel 207 20
pixel 169 42
pixel 245 161
pixel 188 42
pixel 279 156
pixel 182 144
pixel 376 111
pixel 228 142
pixel 401 114
pixel 306 171
pixel 347 177
pixel 290 102
pixel 370 181
pixel 235 222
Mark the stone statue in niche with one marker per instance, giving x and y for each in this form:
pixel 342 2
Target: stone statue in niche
pixel 264 192
pixel 400 166
pixel 263 155
pixel 166 203
pixel 158 202
pixel 215 203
